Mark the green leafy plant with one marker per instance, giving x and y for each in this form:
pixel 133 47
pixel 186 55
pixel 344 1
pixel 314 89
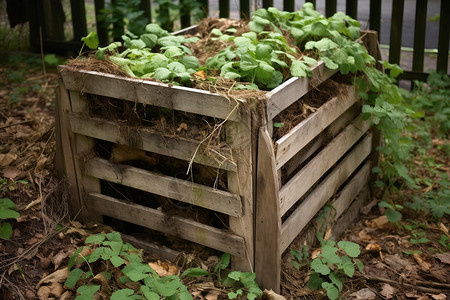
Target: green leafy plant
pixel 333 265
pixel 240 283
pixel 109 253
pixel 392 211
pixel 299 258
pixel 7 211
pixel 419 238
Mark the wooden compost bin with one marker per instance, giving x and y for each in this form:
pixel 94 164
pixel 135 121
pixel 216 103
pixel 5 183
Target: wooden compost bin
pixel 331 147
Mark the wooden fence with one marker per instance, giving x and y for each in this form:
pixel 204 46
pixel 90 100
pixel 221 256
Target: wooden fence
pixel 42 17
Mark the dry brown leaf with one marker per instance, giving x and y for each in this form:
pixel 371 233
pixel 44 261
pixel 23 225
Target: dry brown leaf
pixel 183 126
pixel 316 253
pixel 441 296
pixel 212 295
pixel 200 75
pixel 364 236
pixel 80 231
pixel 29 294
pixel 58 258
pixel 164 269
pixel 379 222
pixel 104 283
pixel 12 269
pixel 66 295
pixel 424 297
pixel 33 203
pixel 396 262
pixel 40 164
pixel 444 257
pixel 44 293
pixel 271 295
pixel 57 276
pixel 388 291
pixel 444 229
pixel 7 159
pixel 423 264
pixel 364 293
pixel 10 172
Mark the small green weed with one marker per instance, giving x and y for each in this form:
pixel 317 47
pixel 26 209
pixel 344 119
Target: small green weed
pixel 7 211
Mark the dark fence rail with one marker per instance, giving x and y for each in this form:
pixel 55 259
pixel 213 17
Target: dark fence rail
pixel 46 24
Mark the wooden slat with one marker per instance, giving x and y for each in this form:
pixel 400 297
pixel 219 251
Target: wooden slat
pixel 322 193
pixel 146 7
pixel 78 19
pixel 375 16
pixel 444 32
pixel 268 218
pixel 419 35
pixel 205 7
pixel 149 92
pixel 293 89
pixel 288 5
pixel 150 248
pixel 330 7
pixel 244 9
pixel 287 146
pixel 102 31
pixel 351 189
pixel 171 225
pixel 267 3
pixel 396 31
pixel 322 162
pixel 150 141
pixel 166 186
pixel 224 8
pixel 351 8
pixel 188 30
pixel 185 13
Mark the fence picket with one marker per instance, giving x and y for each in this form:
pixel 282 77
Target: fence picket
pixel 267 3
pixel 330 7
pixel 395 42
pixel 185 14
pixel 351 8
pixel 419 35
pixel 224 8
pixel 444 27
pixel 375 16
pixel 78 19
pixel 102 31
pixel 288 5
pixel 244 6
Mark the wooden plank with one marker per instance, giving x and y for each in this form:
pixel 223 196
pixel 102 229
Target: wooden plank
pixel 322 162
pixel 444 32
pixel 188 30
pixel 146 7
pixel 375 16
pixel 78 19
pixel 185 13
pixel 65 148
pixel 267 3
pixel 288 5
pixel 150 248
pixel 241 182
pixel 330 132
pixel 351 8
pixel 419 35
pixel 166 186
pixel 351 189
pixel 244 9
pixel 395 42
pixel 287 146
pixel 268 217
pixel 171 225
pixel 322 193
pixel 293 89
pixel 224 8
pixel 150 92
pixel 151 141
pixel 330 7
pixel 102 31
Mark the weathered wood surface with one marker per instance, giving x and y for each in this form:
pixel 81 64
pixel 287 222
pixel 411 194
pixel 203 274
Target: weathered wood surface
pixel 322 193
pixel 166 186
pixel 290 91
pixel 268 218
pixel 166 223
pixel 150 92
pixel 321 163
pixel 150 248
pixel 150 141
pixel 287 146
pixel 241 183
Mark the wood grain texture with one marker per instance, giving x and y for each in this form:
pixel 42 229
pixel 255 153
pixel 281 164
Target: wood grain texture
pixel 150 92
pixel 323 192
pixel 293 89
pixel 287 146
pixel 321 163
pixel 172 225
pixel 268 217
pixel 170 187
pixel 150 141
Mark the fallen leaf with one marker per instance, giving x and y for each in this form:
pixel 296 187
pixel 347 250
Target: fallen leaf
pixel 388 291
pixel 364 236
pixel 10 172
pixel 40 164
pixel 29 294
pixel 424 297
pixel 33 203
pixel 364 293
pixel 104 283
pixel 271 295
pixel 212 295
pixel 57 276
pixel 7 159
pixel 182 126
pixel 200 75
pixel 12 269
pixel 54 290
pixel 80 231
pixel 396 262
pixel 423 264
pixel 164 269
pixel 441 296
pixel 58 258
pixel 66 295
pixel 444 229
pixel 316 253
pixel 44 293
pixel 444 257
pixel 380 222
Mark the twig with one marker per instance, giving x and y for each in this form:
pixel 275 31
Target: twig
pixel 42 56
pixel 417 286
pixel 15 124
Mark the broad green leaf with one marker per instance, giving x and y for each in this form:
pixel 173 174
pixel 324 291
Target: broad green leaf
pixel 149 294
pixel 360 265
pixel 336 281
pixel 319 267
pixel 223 262
pixel 5 230
pixel 162 74
pixel 322 45
pixel 87 292
pixel 7 203
pixel 95 239
pixel 190 62
pixel 352 249
pixel 117 261
pixel 318 29
pixel 91 40
pixel 176 67
pixel 263 51
pixel 279 125
pixel 332 291
pixel 195 272
pixel 6 213
pixel 216 32
pixel 149 39
pixel 124 294
pixel 137 271
pixel 264 71
pixel 173 51
pixel 185 295
pixel 251 35
pixel 74 258
pixel 329 63
pixel 309 61
pixel 94 256
pixel 298 68
pixel 166 289
pixel 241 41
pixel 73 278
pixel 260 20
pixel 315 281
pixel 155 29
pixel 158 61
pixel 347 266
pixel 255 27
pixel 393 215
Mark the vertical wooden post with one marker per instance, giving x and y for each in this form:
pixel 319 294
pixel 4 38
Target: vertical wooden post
pixel 185 13
pixel 268 217
pixel 375 16
pixel 244 7
pixel 419 35
pixel 224 8
pixel 240 182
pixel 146 7
pixel 396 31
pixel 330 7
pixel 102 31
pixel 444 31
pixel 288 5
pixel 267 3
pixel 78 19
pixel 351 8
pixel 205 7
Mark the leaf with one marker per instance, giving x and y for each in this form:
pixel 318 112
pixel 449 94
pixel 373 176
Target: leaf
pixel 329 63
pixel 190 62
pixel 393 215
pixel 319 267
pixel 73 278
pixel 91 40
pixel 149 39
pixel 263 51
pixel 241 41
pixel 150 295
pixel 5 230
pixel 314 281
pixel 173 51
pixel 352 249
pixel 216 32
pixel 87 292
pixel 298 68
pixel 279 125
pixel 155 29
pixel 360 266
pixel 124 294
pixel 336 281
pixel 162 74
pixel 347 266
pixel 195 272
pixel 322 45
pixel 223 262
pixel 117 261
pixel 332 291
